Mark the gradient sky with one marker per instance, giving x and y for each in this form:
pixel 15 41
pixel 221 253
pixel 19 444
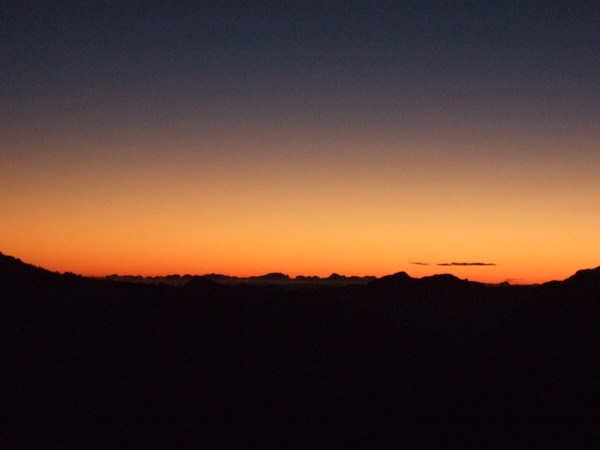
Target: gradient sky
pixel 311 138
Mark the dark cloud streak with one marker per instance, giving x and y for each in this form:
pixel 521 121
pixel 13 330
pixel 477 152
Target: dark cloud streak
pixel 466 264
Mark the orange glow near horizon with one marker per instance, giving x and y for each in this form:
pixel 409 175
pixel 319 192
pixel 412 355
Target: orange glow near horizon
pixel 355 206
pixel 159 139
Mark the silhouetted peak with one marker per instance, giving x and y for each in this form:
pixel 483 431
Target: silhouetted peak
pixel 335 276
pixel 585 277
pixel 397 276
pixel 10 264
pixel 217 277
pixel 443 281
pixel 6 260
pixel 442 277
pixel 273 276
pixel 402 275
pixel 399 280
pixel 20 275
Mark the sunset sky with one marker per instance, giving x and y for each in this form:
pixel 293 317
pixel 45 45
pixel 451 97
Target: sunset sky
pixel 363 138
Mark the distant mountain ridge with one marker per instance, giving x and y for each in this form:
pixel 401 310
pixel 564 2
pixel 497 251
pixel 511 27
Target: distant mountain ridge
pixel 12 266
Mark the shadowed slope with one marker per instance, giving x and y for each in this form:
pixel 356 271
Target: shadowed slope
pixel 397 360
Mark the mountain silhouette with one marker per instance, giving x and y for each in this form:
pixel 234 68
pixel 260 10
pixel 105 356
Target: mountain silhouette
pixel 585 277
pixel 274 276
pixel 13 271
pixel 218 364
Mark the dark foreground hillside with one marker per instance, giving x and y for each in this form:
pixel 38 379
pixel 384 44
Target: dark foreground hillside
pixel 394 362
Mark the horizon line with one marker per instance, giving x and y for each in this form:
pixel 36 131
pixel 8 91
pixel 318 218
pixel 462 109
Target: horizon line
pixel 287 277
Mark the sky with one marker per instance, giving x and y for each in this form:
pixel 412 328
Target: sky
pixel 363 138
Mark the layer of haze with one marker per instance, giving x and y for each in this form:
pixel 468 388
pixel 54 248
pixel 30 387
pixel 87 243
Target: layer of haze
pixel 163 138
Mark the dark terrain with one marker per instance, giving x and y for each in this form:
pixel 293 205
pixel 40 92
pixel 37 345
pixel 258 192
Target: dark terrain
pixel 393 361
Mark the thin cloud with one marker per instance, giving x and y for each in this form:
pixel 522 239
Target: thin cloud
pixel 466 264
pixel 418 263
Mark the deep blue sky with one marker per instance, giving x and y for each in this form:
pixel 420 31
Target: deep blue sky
pixel 454 61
